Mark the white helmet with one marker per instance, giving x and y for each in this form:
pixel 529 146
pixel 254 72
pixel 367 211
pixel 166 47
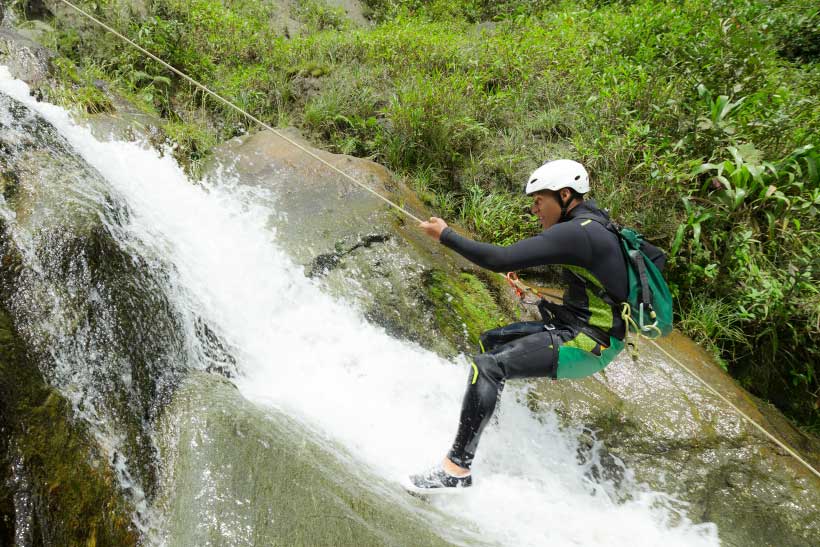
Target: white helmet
pixel 558 174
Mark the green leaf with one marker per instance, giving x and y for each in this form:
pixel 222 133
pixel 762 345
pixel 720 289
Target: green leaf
pixel 726 198
pixel 676 243
pixel 739 196
pixel 703 217
pixel 750 154
pixel 771 220
pixel 705 167
pixel 719 108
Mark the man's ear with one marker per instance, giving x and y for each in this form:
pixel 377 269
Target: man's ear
pixel 565 194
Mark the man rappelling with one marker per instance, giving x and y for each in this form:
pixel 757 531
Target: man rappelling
pixel 573 340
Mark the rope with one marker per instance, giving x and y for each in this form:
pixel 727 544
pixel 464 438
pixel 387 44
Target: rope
pixel 740 412
pixel 250 116
pixel 513 281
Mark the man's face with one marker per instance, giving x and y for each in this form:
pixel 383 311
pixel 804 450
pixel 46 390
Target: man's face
pixel 546 208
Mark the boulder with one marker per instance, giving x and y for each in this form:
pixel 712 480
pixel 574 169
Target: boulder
pixel 90 317
pixel 26 59
pixel 266 479
pixel 655 419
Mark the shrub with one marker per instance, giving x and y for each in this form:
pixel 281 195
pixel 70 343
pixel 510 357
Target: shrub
pixel 753 247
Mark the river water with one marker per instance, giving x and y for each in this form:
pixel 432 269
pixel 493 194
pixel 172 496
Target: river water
pixel 386 405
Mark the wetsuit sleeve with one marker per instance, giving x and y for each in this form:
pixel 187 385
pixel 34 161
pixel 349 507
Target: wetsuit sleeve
pixel 560 244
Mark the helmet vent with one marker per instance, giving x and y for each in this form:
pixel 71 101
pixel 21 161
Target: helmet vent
pixel 577 177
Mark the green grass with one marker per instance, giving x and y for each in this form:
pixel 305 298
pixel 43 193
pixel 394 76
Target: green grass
pixel 78 89
pixel 715 324
pixel 464 98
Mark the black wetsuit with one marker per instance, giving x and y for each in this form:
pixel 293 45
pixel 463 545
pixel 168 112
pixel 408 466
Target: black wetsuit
pixel 574 340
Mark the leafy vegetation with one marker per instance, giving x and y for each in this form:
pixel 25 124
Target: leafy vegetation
pixel 698 120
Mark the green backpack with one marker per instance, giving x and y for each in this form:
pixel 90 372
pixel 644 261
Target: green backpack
pixel 648 309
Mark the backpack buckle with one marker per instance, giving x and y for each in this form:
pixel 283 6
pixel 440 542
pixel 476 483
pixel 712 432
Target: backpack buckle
pixel 652 315
pixel 645 328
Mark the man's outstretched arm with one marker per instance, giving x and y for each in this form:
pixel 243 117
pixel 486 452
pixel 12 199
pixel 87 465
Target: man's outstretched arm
pixel 558 245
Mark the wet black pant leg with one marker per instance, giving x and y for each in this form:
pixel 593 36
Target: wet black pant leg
pixel 529 356
pixel 533 356
pixel 484 384
pixel 491 339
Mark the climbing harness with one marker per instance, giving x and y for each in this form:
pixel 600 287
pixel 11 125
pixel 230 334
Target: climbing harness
pixel 519 286
pixel 552 311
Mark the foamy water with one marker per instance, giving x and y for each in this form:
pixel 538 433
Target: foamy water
pixel 391 404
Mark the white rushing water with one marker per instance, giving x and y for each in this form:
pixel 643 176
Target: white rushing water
pixel 390 403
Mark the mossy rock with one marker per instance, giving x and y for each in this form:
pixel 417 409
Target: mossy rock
pixel 677 437
pixel 106 297
pixel 72 489
pixel 463 307
pixel 361 248
pixel 9 183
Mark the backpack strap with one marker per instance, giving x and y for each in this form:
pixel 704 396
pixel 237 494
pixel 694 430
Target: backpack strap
pixel 612 227
pixel 635 258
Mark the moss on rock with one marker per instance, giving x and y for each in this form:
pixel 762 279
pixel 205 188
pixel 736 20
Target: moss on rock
pixel 73 491
pixel 6 493
pixel 9 182
pixel 463 307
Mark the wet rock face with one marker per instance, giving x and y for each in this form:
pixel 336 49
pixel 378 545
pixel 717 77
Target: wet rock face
pixel 55 486
pixel 25 58
pixel 94 319
pixel 299 491
pixel 679 438
pixel 7 513
pixel 68 225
